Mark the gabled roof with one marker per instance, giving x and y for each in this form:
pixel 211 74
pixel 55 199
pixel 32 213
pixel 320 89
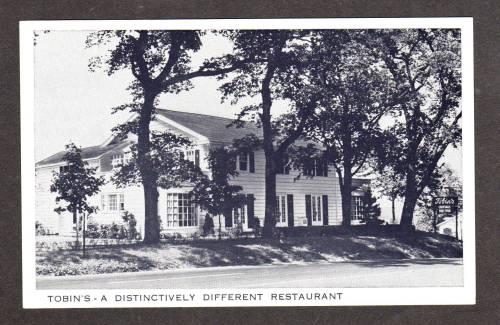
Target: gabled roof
pixel 87 153
pixel 212 127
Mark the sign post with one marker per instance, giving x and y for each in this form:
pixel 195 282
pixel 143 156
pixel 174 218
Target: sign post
pixel 446 204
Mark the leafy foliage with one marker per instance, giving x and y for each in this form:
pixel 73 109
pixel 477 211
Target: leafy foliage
pixel 371 210
pixel 445 183
pixel 424 67
pixel 216 194
pixel 275 69
pixel 75 184
pixel 167 160
pixel 160 61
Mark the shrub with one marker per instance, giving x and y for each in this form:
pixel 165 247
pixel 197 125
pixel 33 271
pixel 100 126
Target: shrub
pixel 256 226
pixel 208 226
pixel 92 231
pixel 40 230
pixel 131 222
pixel 195 236
pixel 107 231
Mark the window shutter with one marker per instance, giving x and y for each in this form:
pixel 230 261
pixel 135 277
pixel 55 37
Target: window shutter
pixel 233 163
pixel 228 218
pixel 197 158
pixel 326 167
pixel 251 158
pixel 319 167
pixel 250 210
pixel 308 210
pixel 289 202
pixel 325 210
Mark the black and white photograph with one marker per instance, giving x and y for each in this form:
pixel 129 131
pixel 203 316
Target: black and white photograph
pixel 292 162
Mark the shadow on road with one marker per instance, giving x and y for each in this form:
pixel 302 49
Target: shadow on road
pixel 406 263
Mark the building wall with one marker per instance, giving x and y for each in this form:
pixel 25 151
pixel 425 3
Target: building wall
pixel 254 183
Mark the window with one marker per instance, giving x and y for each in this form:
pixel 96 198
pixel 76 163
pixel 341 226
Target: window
pixel 122 202
pixel 316 167
pixel 193 156
pixel 113 202
pixel 246 162
pixel 103 202
pixel 283 166
pixel 63 169
pixel 316 208
pixel 239 216
pixel 281 210
pixel 181 212
pixel 243 158
pixel 120 159
pixel 357 208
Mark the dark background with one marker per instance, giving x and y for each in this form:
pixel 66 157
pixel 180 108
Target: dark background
pixel 487 111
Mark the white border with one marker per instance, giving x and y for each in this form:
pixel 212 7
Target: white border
pixel 33 298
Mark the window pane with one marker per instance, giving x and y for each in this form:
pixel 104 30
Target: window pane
pixel 113 204
pixel 243 161
pixel 283 209
pixel 181 211
pixel 122 202
pixel 313 207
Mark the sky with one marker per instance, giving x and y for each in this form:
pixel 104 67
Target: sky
pixel 74 104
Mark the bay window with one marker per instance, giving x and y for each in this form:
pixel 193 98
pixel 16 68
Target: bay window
pixel 181 211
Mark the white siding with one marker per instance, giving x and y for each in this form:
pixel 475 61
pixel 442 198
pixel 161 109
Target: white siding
pixel 45 200
pixel 288 184
pixel 252 183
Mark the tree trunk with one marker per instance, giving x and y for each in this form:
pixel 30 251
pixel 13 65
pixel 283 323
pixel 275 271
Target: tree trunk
pixel 220 229
pixel 151 222
pixel 148 176
pixel 346 193
pixel 270 172
pixel 75 217
pixel 393 199
pixel 270 193
pixel 346 190
pixel 411 196
pixel 83 235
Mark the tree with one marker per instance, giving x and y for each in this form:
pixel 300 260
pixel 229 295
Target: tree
pixel 390 185
pixel 160 61
pixel 278 60
pixel 215 194
pixel 444 183
pixel 167 162
pixel 353 97
pixel 74 184
pixel 371 210
pixel 424 67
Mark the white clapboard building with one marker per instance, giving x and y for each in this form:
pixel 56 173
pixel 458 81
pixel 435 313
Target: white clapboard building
pixel 303 202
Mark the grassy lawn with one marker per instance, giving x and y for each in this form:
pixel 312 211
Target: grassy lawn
pixel 252 251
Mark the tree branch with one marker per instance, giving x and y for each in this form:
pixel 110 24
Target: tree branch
pixel 138 61
pixel 206 73
pixel 173 56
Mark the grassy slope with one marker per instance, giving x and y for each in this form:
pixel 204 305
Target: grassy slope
pixel 245 252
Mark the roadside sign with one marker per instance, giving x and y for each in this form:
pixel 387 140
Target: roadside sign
pixel 445 201
pixel 445 205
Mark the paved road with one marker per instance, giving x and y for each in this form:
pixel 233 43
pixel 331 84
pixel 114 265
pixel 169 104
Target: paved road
pixel 385 273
